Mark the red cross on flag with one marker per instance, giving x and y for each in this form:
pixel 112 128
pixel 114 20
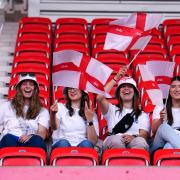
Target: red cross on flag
pixel 74 69
pixel 133 32
pixel 151 95
pixel 163 72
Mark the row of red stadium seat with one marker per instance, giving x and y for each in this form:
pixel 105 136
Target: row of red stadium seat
pixel 33 54
pixel 74 156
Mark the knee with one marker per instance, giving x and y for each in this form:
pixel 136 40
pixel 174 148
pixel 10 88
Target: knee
pixel 62 143
pixel 113 141
pixel 163 128
pixel 86 143
pixel 139 142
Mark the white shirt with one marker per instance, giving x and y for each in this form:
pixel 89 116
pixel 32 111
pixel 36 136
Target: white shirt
pixel 113 117
pixel 72 128
pixel 175 114
pixel 19 126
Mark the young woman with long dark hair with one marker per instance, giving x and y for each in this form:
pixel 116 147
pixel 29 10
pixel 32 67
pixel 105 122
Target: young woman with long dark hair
pixel 74 123
pixel 128 101
pixel 25 122
pixel 166 120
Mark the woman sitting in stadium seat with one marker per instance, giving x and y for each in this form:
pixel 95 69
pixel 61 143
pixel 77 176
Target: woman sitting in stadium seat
pixel 166 121
pixel 25 122
pixel 74 123
pixel 128 126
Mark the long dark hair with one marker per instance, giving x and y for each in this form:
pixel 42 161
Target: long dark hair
pixel 135 104
pixel 169 103
pixel 84 98
pixel 34 105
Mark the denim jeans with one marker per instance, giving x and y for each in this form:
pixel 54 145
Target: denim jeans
pixel 165 137
pixel 10 140
pixel 66 143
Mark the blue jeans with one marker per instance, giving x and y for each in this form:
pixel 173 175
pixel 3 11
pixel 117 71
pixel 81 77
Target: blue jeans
pixel 165 137
pixel 10 140
pixel 66 143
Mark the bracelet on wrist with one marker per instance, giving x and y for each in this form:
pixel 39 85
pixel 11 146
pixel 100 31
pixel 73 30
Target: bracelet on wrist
pixel 115 79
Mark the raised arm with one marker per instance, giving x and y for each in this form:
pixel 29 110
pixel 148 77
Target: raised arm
pixel 54 122
pixel 104 104
pixel 91 132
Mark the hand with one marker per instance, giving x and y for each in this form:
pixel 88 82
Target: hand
pixel 88 111
pixel 120 73
pixel 25 138
pixel 54 108
pixel 127 138
pixel 163 114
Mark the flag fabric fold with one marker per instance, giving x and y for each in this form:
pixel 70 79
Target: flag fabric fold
pixel 73 69
pixel 133 32
pixel 162 72
pixel 150 86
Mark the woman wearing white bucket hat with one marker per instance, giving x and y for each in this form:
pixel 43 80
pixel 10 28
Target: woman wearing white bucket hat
pixel 25 122
pixel 74 123
pixel 128 126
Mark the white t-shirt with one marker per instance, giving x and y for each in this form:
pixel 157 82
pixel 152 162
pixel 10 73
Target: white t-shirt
pixel 113 117
pixel 72 128
pixel 19 126
pixel 175 113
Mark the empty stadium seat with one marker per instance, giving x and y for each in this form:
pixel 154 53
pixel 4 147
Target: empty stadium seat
pixel 22 156
pixel 74 156
pixel 167 157
pixel 125 157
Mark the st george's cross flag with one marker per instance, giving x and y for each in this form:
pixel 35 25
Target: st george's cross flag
pixel 163 72
pixel 131 33
pixel 150 86
pixel 73 69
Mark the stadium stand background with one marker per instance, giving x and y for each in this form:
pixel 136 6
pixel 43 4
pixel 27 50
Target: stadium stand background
pixel 11 11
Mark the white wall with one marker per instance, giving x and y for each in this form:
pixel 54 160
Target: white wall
pixel 90 9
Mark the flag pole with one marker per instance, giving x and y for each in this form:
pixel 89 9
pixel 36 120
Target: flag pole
pixel 134 58
pixel 54 95
pixel 1 28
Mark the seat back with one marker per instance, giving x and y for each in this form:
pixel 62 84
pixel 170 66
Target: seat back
pixel 22 156
pixel 125 157
pixel 167 157
pixel 74 156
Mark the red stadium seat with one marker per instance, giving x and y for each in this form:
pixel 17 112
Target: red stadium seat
pixel 33 47
pixel 22 156
pixel 100 22
pixel 71 29
pixel 125 157
pixel 74 156
pixel 40 21
pixel 71 21
pixel 33 38
pixel 167 157
pixel 76 47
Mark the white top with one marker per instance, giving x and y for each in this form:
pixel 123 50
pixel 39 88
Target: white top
pixel 113 117
pixel 175 113
pixel 72 128
pixel 19 126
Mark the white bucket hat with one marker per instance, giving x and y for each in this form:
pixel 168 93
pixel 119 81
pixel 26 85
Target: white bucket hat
pixel 27 76
pixel 127 80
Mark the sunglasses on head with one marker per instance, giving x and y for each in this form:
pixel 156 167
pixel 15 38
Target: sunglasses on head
pixel 27 74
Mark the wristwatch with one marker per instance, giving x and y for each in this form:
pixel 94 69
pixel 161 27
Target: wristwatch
pixel 90 123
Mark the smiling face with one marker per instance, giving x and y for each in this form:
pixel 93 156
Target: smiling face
pixel 27 87
pixel 175 90
pixel 126 92
pixel 74 94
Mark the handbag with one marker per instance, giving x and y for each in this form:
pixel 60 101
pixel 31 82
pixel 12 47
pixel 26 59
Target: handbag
pixel 124 124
